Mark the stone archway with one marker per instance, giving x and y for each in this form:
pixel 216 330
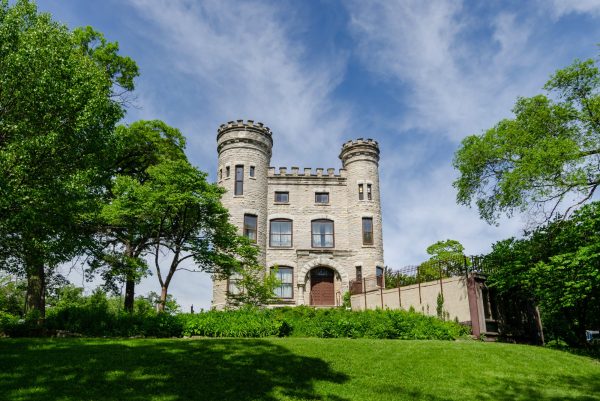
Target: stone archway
pixel 341 280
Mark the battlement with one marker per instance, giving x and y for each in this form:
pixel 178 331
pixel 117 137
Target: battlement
pixel 318 172
pixel 240 124
pixel 360 141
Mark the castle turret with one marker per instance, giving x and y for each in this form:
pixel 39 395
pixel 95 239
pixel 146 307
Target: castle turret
pixel 244 150
pixel 360 158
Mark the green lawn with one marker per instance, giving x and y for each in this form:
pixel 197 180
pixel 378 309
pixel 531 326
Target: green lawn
pixel 290 369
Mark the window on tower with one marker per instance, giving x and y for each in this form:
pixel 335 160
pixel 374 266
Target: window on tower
pixel 250 227
pixel 369 193
pixel 239 180
pixel 251 171
pixel 361 190
pixel 367 230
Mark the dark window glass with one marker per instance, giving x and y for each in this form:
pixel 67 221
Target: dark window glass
pixel 379 274
pixel 322 197
pixel 227 170
pixel 359 272
pixel 282 197
pixel 220 174
pixel 367 230
pixel 251 171
pixel 239 180
pixel 361 194
pixel 250 227
pixel 281 233
pixel 286 277
pixel 322 234
pixel 369 194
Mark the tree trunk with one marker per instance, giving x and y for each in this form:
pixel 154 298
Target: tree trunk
pixel 129 294
pixel 36 288
pixel 163 299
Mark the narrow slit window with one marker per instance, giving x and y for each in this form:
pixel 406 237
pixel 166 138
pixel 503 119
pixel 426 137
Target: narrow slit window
pixel 220 174
pixel 359 272
pixel 250 227
pixel 251 171
pixel 361 189
pixel 239 180
pixel 367 230
pixel 227 171
pixel 369 192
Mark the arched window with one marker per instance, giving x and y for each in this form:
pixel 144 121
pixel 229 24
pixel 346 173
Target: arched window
pixel 285 275
pixel 280 233
pixel 322 233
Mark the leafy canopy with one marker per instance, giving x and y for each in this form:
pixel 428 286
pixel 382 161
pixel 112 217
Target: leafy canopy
pixel 545 159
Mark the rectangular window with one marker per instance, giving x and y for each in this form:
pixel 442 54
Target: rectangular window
pixel 369 194
pixel 220 174
pixel 322 234
pixel 286 277
pixel 227 170
pixel 361 194
pixel 379 274
pixel 367 230
pixel 281 233
pixel 322 197
pixel 239 180
pixel 359 272
pixel 250 227
pixel 282 197
pixel 233 286
pixel 251 171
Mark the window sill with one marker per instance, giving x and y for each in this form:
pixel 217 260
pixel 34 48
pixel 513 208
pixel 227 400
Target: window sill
pixel 252 178
pixel 322 204
pixel 280 248
pixel 281 203
pixel 238 196
pixel 368 246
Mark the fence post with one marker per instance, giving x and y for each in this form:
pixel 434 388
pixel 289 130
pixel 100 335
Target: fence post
pixel 441 285
pixel 399 299
pixel 419 282
pixel 365 291
pixel 381 296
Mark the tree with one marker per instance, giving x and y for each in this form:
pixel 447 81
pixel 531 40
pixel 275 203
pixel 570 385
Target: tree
pixel 544 160
pixel 57 115
pixel 446 258
pixel 558 265
pixel 125 226
pixel 190 223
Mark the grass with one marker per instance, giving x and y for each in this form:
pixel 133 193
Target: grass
pixel 290 369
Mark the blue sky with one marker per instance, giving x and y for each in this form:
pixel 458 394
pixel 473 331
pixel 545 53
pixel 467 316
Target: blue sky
pixel 418 76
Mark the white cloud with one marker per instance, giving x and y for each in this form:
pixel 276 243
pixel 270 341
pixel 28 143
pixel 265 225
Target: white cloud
pixel 560 8
pixel 240 55
pixel 459 83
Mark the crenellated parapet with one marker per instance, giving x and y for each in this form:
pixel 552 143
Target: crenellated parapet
pixel 306 172
pixel 360 149
pixel 242 133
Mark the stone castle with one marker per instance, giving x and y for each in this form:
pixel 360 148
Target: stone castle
pixel 321 229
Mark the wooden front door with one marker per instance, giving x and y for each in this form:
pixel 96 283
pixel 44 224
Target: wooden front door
pixel 321 286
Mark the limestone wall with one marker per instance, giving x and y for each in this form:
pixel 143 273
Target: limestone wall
pixel 422 298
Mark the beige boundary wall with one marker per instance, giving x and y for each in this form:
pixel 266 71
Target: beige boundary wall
pixel 423 298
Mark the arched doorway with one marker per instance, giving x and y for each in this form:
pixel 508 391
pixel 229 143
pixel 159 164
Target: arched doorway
pixel 322 290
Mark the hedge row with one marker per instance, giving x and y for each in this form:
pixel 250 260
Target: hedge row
pixel 296 322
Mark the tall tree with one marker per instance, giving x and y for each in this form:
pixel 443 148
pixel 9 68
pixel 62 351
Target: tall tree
pixel 558 265
pixel 545 160
pixel 126 229
pixel 58 109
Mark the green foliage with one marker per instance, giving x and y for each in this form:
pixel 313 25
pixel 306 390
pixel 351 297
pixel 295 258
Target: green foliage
pixel 546 155
pixel 12 295
pixel 440 306
pixel 346 300
pixel 57 115
pixel 559 266
pixel 324 323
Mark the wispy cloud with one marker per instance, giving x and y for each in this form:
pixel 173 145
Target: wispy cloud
pixel 560 8
pixel 460 76
pixel 247 66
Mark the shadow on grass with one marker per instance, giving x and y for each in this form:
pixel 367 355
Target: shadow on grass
pixel 159 370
